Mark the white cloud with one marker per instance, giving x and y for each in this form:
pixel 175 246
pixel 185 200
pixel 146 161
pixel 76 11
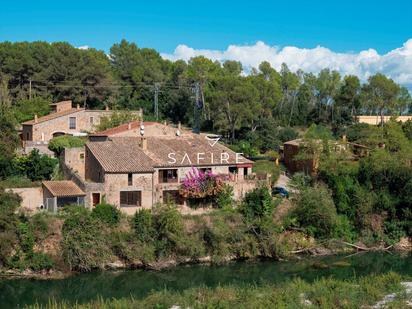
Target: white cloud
pixel 396 64
pixel 83 47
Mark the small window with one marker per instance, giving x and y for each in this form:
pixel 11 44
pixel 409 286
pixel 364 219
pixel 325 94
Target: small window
pixel 91 120
pixel 72 123
pixel 130 198
pixel 245 169
pixel 130 179
pixel 232 169
pixel 81 156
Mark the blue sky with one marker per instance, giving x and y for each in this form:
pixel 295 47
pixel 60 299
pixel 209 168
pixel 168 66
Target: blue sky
pixel 339 25
pixel 360 37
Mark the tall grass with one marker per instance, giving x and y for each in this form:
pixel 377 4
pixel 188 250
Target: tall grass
pixel 324 293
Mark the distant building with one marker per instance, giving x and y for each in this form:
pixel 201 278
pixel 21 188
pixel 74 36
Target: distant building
pixel 376 120
pixel 64 119
pixel 294 164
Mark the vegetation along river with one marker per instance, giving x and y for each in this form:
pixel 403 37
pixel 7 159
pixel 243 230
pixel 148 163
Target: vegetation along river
pixel 139 283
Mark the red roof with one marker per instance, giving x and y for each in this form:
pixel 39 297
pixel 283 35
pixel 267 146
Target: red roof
pixel 122 128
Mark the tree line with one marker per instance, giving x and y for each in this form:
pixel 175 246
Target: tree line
pixel 234 104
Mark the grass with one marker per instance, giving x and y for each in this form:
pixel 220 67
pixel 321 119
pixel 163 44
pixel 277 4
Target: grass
pixel 19 182
pixel 266 166
pixel 324 293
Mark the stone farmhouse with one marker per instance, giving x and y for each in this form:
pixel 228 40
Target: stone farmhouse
pixel 140 164
pixel 64 119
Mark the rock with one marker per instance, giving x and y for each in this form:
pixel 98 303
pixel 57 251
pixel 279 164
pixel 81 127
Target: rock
pixel 116 265
pixel 404 244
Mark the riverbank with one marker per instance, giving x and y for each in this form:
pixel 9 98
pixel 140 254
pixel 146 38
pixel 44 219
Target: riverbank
pixel 140 284
pixel 366 292
pixel 402 248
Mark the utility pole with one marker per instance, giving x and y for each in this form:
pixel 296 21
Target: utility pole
pixel 197 107
pixel 30 89
pixel 156 100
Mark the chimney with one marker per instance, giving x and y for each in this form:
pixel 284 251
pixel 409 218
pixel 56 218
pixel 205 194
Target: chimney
pixel 344 138
pixel 143 143
pixel 107 108
pixel 78 106
pixel 129 126
pixel 179 126
pixel 35 118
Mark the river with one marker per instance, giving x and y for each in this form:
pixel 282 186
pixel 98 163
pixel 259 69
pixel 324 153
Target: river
pixel 139 283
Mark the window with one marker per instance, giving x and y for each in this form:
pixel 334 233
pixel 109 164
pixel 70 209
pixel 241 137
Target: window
pixel 206 169
pixel 72 123
pixel 27 136
pixel 81 156
pixel 245 169
pixel 130 179
pixel 166 176
pixel 130 198
pixel 233 169
pixel 91 120
pixel 172 196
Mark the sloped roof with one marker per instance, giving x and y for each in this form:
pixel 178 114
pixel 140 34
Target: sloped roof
pixel 125 155
pixel 53 116
pixel 122 128
pixel 121 155
pixel 63 188
pixel 187 149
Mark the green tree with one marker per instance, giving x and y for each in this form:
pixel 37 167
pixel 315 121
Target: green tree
pixel 25 109
pixel 316 211
pixel 380 94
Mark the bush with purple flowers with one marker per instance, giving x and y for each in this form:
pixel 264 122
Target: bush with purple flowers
pixel 200 185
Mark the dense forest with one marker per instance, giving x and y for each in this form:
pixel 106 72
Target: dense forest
pixel 234 104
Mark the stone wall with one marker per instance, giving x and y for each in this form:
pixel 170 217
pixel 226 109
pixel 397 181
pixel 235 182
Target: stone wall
pixel 93 170
pixel 114 183
pixel 32 198
pixel 376 120
pixel 86 121
pixel 74 158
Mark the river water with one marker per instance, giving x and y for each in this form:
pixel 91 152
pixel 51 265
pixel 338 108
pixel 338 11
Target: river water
pixel 139 283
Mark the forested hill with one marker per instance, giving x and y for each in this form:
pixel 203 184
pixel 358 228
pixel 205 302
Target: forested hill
pixel 234 103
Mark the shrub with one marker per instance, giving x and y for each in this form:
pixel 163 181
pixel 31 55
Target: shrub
pixel 35 166
pixel 26 237
pixel 106 213
pixel 224 198
pixel 39 261
pixel 85 244
pixel 316 211
pixel 143 225
pixel 344 229
pixel 116 119
pixel 257 203
pixel 266 166
pixel 58 144
pixel 169 226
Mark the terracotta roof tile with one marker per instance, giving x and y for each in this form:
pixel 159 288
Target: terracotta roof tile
pixel 63 188
pixel 53 116
pixel 186 150
pixel 122 155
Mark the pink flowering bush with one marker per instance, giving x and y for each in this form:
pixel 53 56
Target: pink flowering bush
pixel 200 185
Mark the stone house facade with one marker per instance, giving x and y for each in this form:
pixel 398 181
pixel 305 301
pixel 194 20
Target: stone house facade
pixel 132 167
pixel 64 119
